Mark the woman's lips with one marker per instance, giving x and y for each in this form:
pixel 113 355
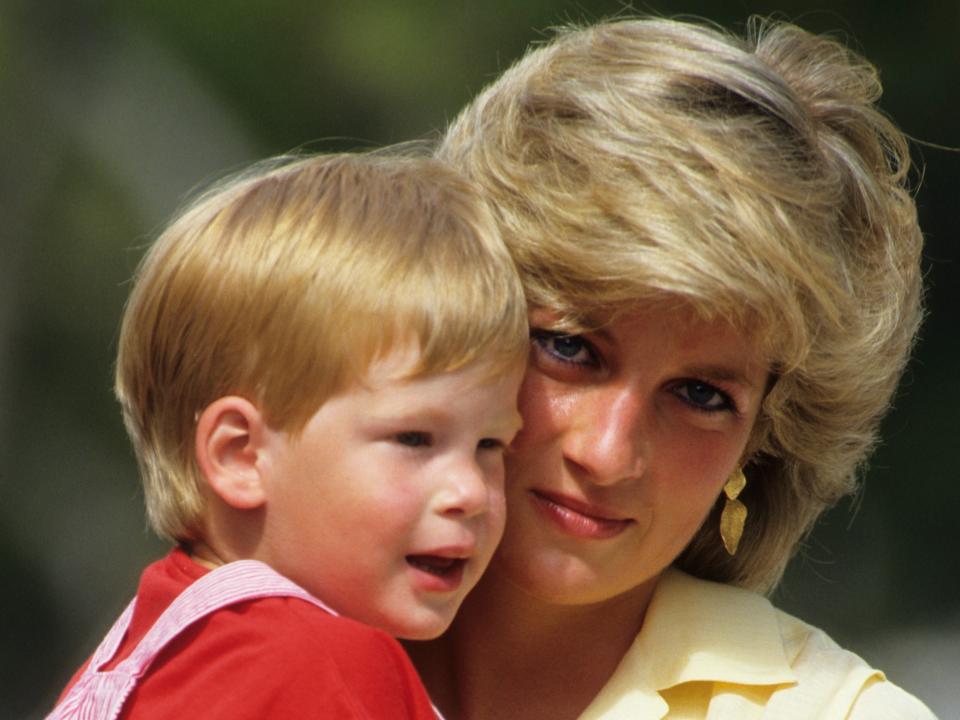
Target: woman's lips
pixel 577 518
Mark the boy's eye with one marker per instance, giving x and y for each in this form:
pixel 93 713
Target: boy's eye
pixel 490 444
pixel 413 438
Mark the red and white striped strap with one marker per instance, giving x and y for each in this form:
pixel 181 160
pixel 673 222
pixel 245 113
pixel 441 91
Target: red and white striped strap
pixel 100 694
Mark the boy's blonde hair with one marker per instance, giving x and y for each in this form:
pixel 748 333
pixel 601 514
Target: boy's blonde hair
pixel 753 178
pixel 284 284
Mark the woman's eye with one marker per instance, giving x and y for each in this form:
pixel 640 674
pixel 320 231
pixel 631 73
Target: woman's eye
pixel 413 439
pixel 565 348
pixel 703 396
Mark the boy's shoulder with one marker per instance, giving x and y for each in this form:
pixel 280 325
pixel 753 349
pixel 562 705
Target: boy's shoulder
pixel 292 627
pixel 275 619
pixel 276 656
pixel 282 657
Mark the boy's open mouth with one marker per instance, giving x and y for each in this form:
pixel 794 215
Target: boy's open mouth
pixel 435 564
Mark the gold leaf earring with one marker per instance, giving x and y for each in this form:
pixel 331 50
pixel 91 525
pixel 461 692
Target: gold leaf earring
pixel 734 513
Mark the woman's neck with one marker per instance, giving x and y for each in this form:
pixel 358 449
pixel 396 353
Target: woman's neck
pixel 510 654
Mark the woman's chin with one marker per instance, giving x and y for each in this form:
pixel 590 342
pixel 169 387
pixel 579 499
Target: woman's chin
pixel 552 576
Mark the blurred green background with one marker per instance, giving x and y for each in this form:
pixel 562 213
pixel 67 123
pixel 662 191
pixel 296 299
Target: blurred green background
pixel 111 112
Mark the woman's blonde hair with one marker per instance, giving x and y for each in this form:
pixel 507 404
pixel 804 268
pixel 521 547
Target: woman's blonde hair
pixel 284 284
pixel 753 178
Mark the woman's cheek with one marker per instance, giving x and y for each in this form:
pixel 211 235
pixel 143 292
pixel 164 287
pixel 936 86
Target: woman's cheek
pixel 545 405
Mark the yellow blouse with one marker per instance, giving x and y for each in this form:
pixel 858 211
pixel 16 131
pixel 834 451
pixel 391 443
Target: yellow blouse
pixel 714 652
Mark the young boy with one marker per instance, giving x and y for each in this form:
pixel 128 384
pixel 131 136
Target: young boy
pixel 318 367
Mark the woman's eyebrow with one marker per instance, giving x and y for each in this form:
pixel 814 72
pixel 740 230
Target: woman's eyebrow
pixel 601 333
pixel 723 373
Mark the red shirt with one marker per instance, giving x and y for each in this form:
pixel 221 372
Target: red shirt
pixel 267 658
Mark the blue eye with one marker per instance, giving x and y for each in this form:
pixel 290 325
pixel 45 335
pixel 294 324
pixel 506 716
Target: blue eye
pixel 703 396
pixel 567 345
pixel 572 349
pixel 414 439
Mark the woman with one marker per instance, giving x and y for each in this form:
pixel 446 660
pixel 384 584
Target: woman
pixel 722 263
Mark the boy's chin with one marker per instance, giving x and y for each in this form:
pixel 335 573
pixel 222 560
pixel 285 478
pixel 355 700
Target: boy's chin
pixel 432 624
pixel 423 633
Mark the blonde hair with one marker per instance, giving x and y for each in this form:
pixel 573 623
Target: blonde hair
pixel 753 178
pixel 284 284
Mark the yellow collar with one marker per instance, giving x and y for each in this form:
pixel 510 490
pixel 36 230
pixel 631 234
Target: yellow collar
pixel 695 630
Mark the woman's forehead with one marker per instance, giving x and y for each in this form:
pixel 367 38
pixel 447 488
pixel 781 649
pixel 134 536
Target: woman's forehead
pixel 716 312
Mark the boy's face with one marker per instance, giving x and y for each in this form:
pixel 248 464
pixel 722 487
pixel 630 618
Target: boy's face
pixel 390 503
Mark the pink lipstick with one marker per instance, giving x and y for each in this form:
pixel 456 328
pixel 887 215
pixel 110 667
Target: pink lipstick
pixel 577 518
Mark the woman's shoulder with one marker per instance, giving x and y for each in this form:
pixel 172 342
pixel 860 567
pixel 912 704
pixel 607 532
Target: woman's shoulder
pixel 883 700
pixel 778 664
pixel 825 669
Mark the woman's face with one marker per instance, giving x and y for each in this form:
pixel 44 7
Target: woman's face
pixel 629 435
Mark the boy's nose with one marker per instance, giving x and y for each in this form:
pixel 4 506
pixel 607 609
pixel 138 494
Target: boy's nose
pixel 466 491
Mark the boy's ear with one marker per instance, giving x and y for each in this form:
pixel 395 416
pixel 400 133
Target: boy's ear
pixel 229 441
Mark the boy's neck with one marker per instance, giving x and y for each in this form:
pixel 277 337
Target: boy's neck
pixel 203 555
pixel 509 654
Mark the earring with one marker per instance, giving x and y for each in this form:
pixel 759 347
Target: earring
pixel 734 513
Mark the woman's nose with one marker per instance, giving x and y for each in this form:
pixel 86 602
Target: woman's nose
pixel 607 437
